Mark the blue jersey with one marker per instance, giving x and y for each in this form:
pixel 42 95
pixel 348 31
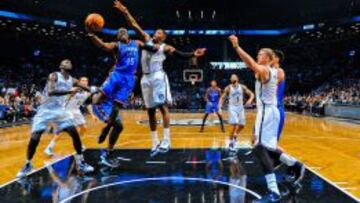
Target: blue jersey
pixel 280 93
pixel 214 95
pixel 127 57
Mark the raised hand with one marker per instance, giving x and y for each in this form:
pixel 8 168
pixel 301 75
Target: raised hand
pixel 234 40
pixel 199 52
pixel 120 6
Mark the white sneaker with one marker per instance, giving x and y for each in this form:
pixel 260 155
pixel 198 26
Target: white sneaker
pixel 154 150
pixel 164 146
pixel 48 151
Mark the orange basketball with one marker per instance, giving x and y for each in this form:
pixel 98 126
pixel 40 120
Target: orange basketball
pixel 94 22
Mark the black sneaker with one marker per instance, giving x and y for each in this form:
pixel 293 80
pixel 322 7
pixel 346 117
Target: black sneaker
pixel 106 161
pixel 25 170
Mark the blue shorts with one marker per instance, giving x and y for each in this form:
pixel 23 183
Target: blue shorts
pixel 103 110
pixel 118 86
pixel 282 120
pixel 211 107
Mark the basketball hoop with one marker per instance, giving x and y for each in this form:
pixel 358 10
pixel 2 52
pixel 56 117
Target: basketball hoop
pixel 193 81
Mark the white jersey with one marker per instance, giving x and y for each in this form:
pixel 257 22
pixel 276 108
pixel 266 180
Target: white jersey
pixel 77 100
pixel 236 96
pixel 266 93
pixel 62 84
pixel 153 61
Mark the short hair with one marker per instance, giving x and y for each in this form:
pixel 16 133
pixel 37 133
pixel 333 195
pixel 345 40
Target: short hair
pixel 280 55
pixel 269 52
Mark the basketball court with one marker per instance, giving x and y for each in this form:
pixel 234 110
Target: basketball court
pixel 189 172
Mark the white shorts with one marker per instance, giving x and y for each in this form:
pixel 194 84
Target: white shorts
pixel 61 118
pixel 78 117
pixel 266 126
pixel 155 89
pixel 236 115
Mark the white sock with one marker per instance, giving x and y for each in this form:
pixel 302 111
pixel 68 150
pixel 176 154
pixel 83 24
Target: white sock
pixel 272 183
pixel 78 158
pixel 154 138
pixel 166 134
pixel 51 144
pixel 287 159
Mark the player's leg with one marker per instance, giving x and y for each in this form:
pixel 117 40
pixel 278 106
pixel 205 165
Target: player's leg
pixel 39 126
pixel 282 120
pixel 49 150
pixel 80 162
pixel 207 112
pixel 267 166
pixel 161 97
pixel 107 157
pixel 296 170
pixel 102 111
pixel 166 142
pixel 147 93
pixel 266 138
pixel 203 122
pixel 221 121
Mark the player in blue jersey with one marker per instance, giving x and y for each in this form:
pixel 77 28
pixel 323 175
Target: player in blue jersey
pixel 155 85
pixel 118 86
pixel 278 58
pixel 212 98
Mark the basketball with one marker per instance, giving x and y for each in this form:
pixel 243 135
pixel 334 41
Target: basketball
pixel 94 22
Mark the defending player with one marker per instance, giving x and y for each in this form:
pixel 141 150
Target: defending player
pixel 154 83
pixel 73 103
pixel 267 118
pixel 52 110
pixel 278 58
pixel 212 98
pixel 235 92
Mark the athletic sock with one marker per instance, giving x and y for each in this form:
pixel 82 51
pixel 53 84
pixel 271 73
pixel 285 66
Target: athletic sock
pixel 272 183
pixel 154 138
pixel 78 158
pixel 166 132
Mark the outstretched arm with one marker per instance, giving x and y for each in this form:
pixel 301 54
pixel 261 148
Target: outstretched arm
pixel 131 20
pixel 106 46
pixel 250 95
pixel 184 55
pixel 261 70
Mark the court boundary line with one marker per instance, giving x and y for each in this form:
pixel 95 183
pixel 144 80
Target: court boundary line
pixel 333 184
pixel 130 142
pixel 36 170
pixel 256 195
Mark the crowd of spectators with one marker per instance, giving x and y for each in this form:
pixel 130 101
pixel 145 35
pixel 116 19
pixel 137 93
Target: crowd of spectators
pixel 18 104
pixel 339 92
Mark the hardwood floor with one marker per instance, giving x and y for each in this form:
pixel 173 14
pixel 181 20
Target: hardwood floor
pixel 329 147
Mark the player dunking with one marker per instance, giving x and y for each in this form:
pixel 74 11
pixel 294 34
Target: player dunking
pixel 53 110
pixel 212 97
pixel 267 118
pixel 154 83
pixel 73 103
pixel 235 92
